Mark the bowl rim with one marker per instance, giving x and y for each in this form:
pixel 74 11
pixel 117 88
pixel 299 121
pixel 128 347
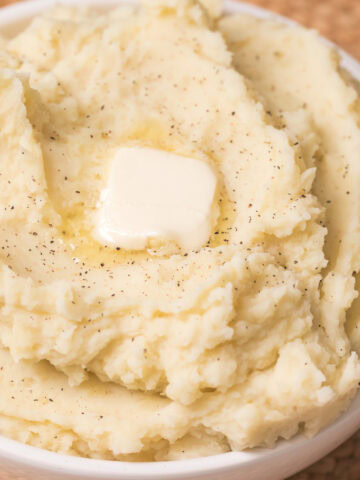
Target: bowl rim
pixel 30 456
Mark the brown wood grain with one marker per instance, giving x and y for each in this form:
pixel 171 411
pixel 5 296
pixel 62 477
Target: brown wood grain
pixel 7 2
pixel 338 20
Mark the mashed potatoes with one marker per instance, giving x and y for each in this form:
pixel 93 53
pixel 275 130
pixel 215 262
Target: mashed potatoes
pixel 161 354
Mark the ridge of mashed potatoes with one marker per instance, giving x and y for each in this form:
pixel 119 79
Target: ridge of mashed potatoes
pixel 160 355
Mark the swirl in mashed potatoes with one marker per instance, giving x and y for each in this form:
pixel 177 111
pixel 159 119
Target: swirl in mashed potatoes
pixel 161 353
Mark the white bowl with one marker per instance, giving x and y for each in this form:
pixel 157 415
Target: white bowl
pixel 287 458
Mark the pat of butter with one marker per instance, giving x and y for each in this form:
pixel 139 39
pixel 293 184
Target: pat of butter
pixel 156 195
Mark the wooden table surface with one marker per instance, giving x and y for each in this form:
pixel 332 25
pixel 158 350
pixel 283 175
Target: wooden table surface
pixel 338 20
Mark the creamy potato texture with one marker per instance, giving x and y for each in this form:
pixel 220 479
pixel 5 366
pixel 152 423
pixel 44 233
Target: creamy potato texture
pixel 161 354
